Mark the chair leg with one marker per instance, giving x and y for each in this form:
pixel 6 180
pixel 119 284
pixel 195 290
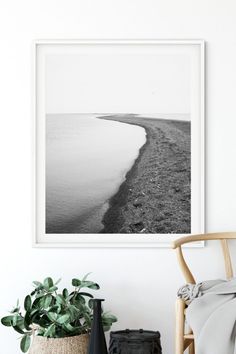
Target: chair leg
pixel 191 348
pixel 179 334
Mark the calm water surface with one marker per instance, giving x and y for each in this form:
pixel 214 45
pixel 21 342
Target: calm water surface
pixel 86 161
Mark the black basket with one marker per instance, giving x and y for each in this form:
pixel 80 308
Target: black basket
pixel 135 342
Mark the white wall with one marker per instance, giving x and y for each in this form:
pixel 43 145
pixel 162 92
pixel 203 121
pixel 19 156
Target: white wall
pixel 139 285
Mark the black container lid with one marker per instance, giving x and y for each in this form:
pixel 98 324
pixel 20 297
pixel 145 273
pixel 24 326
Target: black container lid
pixel 135 335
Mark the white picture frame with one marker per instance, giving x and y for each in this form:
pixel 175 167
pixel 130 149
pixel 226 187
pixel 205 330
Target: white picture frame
pixel 195 49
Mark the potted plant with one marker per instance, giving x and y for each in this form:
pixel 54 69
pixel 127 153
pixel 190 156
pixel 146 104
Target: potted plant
pixel 59 322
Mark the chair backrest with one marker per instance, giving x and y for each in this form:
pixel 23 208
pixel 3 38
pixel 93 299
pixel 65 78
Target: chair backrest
pixel 222 237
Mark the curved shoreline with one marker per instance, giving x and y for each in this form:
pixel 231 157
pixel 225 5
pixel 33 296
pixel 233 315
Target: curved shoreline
pixel 112 219
pixel 155 196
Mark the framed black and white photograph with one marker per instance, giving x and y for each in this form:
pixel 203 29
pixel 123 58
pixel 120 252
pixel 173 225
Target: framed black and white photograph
pixel 119 131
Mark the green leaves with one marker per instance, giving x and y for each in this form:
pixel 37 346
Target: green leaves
pixel 27 303
pixel 48 283
pixel 76 282
pixel 18 329
pixel 27 320
pixel 52 316
pixel 65 293
pixel 16 309
pixel 37 284
pixel 7 321
pixel 63 319
pixel 47 301
pixel 86 294
pixel 57 315
pixel 50 331
pixel 107 320
pixel 91 285
pixel 85 284
pixel 47 287
pixel 94 286
pixel 60 300
pixel 25 343
pixel 88 319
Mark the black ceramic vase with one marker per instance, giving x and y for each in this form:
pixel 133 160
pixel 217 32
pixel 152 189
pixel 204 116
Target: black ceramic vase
pixel 97 342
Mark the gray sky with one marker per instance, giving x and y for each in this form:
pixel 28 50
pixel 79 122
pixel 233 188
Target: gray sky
pixel 102 81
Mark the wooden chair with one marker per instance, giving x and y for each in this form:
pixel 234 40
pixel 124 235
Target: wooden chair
pixel 185 339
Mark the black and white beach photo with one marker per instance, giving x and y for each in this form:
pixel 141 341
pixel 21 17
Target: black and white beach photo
pixel 118 173
pixel 118 139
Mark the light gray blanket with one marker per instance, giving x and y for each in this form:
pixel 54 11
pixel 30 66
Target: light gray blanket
pixel 212 315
